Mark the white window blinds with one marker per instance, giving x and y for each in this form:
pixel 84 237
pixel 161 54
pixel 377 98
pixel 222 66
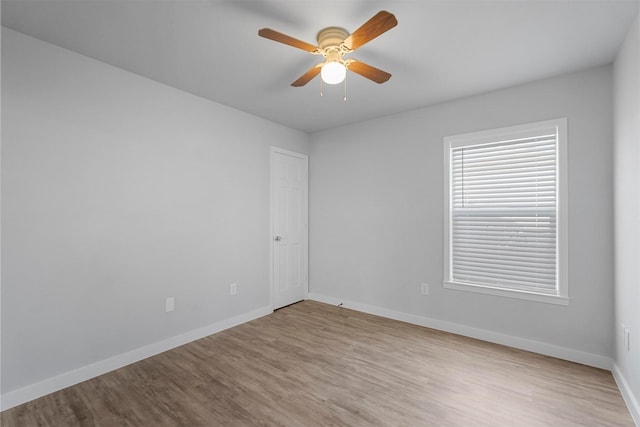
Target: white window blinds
pixel 502 220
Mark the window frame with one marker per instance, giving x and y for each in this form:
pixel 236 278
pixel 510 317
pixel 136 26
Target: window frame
pixel 502 134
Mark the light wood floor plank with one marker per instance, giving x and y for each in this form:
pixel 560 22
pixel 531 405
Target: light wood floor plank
pixel 311 364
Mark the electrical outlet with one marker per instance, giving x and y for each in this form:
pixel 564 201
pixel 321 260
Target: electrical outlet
pixel 626 338
pixel 424 289
pixel 233 289
pixel 169 304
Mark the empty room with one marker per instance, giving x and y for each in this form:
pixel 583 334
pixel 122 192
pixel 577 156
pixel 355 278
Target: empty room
pixel 312 213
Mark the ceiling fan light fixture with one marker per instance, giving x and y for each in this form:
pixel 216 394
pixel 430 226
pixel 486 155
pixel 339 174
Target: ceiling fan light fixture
pixel 333 72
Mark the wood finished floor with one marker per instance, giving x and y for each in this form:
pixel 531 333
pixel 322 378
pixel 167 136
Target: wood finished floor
pixel 312 364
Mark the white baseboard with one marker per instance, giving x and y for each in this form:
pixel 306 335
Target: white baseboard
pixel 627 394
pixel 50 385
pixel 553 350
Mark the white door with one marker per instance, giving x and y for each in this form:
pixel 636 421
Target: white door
pixel 289 235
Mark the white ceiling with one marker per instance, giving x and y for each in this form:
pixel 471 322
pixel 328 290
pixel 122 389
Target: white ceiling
pixel 440 50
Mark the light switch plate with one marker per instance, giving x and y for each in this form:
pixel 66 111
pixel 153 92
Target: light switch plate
pixel 169 304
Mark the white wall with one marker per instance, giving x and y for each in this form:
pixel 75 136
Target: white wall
pixel 118 192
pixel 376 215
pixel 627 216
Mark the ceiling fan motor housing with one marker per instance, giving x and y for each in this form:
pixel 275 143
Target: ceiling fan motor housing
pixel 331 37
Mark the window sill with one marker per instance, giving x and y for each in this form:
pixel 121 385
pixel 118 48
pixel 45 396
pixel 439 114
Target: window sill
pixel 531 296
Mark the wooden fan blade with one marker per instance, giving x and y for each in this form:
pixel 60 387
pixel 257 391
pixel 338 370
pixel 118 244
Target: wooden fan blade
pixel 274 35
pixel 371 73
pixel 381 22
pixel 308 76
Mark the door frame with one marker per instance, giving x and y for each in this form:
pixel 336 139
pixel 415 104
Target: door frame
pixel 305 205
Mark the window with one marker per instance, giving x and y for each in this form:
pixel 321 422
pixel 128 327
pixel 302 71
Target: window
pixel 505 212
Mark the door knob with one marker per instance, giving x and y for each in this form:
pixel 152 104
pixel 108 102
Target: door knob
pixel 277 238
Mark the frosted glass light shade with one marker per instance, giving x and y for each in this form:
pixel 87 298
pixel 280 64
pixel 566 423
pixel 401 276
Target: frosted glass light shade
pixel 333 73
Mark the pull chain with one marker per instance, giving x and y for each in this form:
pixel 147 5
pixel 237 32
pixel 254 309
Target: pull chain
pixel 345 88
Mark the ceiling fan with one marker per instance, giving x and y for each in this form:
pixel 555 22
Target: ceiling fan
pixel 333 44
